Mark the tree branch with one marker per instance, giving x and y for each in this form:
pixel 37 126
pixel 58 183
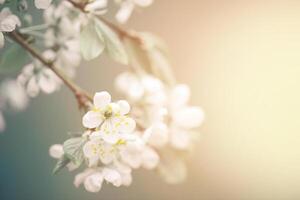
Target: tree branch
pixel 82 96
pixel 121 32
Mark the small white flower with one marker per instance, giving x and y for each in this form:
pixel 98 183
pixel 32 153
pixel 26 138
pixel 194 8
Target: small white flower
pixel 35 77
pixel 8 23
pixel 109 118
pixel 42 4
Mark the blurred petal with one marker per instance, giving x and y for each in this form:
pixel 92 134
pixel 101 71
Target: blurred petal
pixel 124 107
pixel 112 176
pixel 32 87
pixel 47 81
pixel 180 139
pixel 150 158
pixel 157 135
pixel 93 182
pixel 92 119
pixel 79 178
pixel 179 96
pixel 189 117
pixel 125 11
pixel 143 3
pixel 56 151
pixel 102 99
pixel 127 125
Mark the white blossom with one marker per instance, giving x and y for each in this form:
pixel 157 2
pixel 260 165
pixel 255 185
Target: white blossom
pixel 8 23
pixel 63 36
pixel 109 118
pixel 36 78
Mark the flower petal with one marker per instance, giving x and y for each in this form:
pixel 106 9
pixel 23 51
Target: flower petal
pixel 93 182
pixel 180 139
pixel 125 11
pixel 180 95
pixel 56 151
pixel 189 117
pixel 131 155
pixel 79 178
pixel 102 99
pixel 127 125
pixel 92 119
pixel 150 158
pixel 124 107
pixel 112 176
pixel 32 87
pixel 157 135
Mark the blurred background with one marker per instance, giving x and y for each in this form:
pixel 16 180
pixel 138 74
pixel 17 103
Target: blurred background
pixel 242 61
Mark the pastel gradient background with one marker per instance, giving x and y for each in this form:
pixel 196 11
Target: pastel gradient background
pixel 242 61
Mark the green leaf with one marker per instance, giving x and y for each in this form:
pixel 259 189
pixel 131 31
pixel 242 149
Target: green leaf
pixel 91 43
pixel 158 57
pixel 13 59
pixel 73 149
pixel 138 57
pixel 61 163
pixel 113 45
pixel 151 57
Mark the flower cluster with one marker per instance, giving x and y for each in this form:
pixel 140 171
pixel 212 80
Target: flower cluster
pixel 163 111
pixel 154 132
pixel 111 146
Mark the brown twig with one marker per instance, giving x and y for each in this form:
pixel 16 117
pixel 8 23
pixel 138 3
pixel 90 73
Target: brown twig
pixel 82 96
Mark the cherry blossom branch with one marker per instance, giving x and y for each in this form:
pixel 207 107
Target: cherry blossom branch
pixel 81 95
pixel 121 32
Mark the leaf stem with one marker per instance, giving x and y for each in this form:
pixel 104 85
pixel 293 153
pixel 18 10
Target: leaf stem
pixel 82 96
